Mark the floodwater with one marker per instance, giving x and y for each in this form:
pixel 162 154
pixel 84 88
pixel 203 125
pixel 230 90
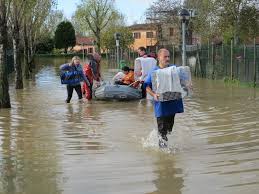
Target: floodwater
pixel 50 147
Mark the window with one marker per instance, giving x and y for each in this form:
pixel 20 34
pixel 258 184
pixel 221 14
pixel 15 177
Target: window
pixel 90 50
pixel 136 35
pixel 149 34
pixel 171 31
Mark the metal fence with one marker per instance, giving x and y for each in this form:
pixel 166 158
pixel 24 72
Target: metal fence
pixel 211 61
pixel 126 57
pixel 226 61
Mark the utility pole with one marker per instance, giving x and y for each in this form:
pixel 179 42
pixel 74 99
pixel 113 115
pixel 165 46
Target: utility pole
pixel 184 17
pixel 117 39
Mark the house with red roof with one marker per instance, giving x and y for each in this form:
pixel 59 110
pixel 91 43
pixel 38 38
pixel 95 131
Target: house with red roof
pixel 84 44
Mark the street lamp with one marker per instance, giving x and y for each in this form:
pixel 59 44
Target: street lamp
pixel 184 17
pixel 117 37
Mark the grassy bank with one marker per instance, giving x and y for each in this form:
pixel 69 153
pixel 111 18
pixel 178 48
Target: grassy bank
pixel 237 82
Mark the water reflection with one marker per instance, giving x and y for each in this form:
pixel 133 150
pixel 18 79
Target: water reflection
pixel 82 128
pixel 169 178
pixel 48 146
pixel 225 140
pixel 7 161
pixel 29 158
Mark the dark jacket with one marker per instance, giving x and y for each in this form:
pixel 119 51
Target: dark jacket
pixel 72 75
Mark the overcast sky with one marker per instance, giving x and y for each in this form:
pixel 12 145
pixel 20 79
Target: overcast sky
pixel 132 9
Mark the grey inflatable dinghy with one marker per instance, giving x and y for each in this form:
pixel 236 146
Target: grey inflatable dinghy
pixel 109 91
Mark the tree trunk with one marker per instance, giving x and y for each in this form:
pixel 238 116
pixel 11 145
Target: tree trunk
pixel 98 40
pixel 98 43
pixel 26 53
pixel 4 86
pixel 17 59
pixel 31 51
pixel 255 62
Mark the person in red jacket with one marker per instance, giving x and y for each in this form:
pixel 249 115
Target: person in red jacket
pixel 92 72
pixel 88 71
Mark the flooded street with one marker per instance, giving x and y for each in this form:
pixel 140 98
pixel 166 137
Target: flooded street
pixel 98 147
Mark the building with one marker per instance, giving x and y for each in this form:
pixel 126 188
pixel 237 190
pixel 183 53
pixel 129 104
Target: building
pixel 155 35
pixel 169 34
pixel 144 35
pixel 84 44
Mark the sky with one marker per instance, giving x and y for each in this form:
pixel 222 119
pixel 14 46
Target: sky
pixel 132 9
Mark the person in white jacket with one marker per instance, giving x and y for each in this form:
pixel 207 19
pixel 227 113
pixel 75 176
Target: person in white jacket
pixel 142 66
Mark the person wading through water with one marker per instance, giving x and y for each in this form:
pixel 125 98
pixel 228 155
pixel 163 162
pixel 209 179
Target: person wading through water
pixel 164 110
pixel 72 74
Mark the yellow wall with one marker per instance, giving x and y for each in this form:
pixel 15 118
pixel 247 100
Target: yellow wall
pixel 144 41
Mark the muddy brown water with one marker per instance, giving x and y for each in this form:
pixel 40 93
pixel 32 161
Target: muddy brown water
pixel 98 147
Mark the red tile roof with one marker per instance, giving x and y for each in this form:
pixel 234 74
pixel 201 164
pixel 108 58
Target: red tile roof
pixel 82 40
pixel 142 27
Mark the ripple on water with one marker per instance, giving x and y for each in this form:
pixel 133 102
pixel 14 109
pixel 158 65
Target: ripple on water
pixel 226 140
pixel 99 145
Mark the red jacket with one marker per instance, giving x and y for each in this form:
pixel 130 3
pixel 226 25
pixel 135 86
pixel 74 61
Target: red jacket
pixel 88 72
pixel 86 90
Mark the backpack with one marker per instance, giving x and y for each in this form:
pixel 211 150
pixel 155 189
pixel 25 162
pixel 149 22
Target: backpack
pixel 71 77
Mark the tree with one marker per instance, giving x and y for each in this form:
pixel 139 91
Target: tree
pixel 249 22
pixel 4 86
pixel 205 22
pixel 45 45
pixel 35 15
pixel 51 22
pixel 95 15
pixel 108 40
pixel 118 25
pixel 80 26
pixel 65 36
pixel 230 13
pixel 163 13
pixel 17 10
pixel 222 18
